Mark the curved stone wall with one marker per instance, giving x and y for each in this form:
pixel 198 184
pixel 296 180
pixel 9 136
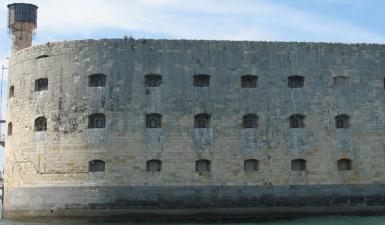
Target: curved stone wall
pixel 57 160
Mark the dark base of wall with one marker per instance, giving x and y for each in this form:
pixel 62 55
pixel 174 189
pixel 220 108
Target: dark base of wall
pixel 194 202
pixel 203 215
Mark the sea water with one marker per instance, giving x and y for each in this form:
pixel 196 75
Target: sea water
pixel 333 220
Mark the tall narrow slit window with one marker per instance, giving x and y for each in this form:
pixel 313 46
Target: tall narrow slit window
pixel 154 165
pixel 249 81
pixel 296 81
pixel 153 80
pixel 344 164
pixel 251 165
pixel 11 91
pixel 96 166
pixel 342 121
pixel 297 121
pixel 202 165
pixel 97 80
pixel 298 165
pixel 201 80
pixel 41 84
pixel 202 120
pixel 40 124
pixel 97 120
pixel 10 129
pixel 250 121
pixel 153 120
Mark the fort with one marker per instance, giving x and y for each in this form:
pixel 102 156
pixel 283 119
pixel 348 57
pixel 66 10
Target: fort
pixel 189 128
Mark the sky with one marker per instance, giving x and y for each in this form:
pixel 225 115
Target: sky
pixel 348 21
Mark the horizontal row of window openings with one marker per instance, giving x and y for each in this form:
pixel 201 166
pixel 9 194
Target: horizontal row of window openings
pixel 204 165
pixel 200 80
pixel 203 80
pixel 154 120
pixel 247 81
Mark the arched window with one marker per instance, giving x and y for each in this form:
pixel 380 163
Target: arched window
pixel 42 56
pixel 342 121
pixel 9 129
pixel 41 84
pixel 154 165
pixel 296 81
pixel 340 81
pixel 298 165
pixel 96 165
pixel 344 164
pixel 250 121
pixel 153 80
pixel 202 120
pixel 97 80
pixel 201 80
pixel 40 124
pixel 249 81
pixel 11 91
pixel 202 165
pixel 297 121
pixel 153 120
pixel 97 120
pixel 251 165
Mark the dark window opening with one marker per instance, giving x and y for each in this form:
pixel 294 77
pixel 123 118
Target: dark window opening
pixel 201 80
pixel 41 84
pixel 297 121
pixel 153 80
pixel 154 165
pixel 249 81
pixel 97 121
pixel 96 166
pixel 298 165
pixel 250 121
pixel 202 165
pixel 296 81
pixel 251 165
pixel 340 81
pixel 11 91
pixel 344 164
pixel 42 56
pixel 97 80
pixel 202 120
pixel 40 124
pixel 153 120
pixel 342 121
pixel 9 129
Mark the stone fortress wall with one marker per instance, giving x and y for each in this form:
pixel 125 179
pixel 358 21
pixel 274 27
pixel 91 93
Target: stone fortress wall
pixel 47 172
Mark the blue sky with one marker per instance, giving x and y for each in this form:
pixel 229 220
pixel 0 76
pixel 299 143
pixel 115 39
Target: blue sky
pixel 349 21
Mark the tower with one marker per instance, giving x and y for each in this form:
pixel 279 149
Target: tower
pixel 22 19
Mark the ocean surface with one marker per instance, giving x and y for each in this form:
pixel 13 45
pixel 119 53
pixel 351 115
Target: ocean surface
pixel 334 220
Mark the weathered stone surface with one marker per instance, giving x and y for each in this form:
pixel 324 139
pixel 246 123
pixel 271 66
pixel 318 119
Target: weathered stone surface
pixel 188 201
pixel 57 159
